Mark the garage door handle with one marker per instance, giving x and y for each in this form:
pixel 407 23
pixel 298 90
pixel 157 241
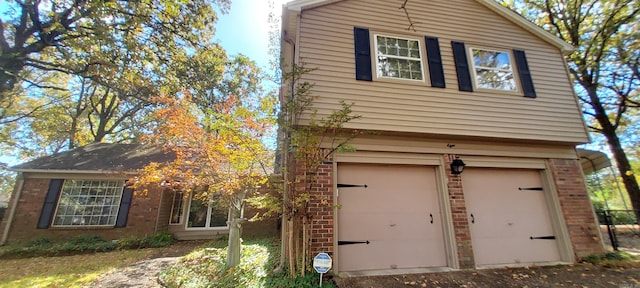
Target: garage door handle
pixel 431 216
pixel 473 219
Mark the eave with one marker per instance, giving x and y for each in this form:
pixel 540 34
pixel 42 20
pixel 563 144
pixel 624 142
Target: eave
pixel 565 48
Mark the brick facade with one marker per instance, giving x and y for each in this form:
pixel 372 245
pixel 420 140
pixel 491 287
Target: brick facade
pixel 567 177
pixel 459 216
pixel 141 221
pixel 576 207
pixel 321 208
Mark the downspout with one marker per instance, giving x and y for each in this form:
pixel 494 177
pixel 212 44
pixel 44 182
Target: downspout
pixel 286 144
pixel 285 160
pixel 17 190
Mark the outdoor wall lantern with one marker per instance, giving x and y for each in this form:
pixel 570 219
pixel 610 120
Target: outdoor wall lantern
pixel 457 166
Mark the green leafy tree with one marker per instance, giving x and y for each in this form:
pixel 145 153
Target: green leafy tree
pixel 67 36
pixel 604 67
pixel 122 54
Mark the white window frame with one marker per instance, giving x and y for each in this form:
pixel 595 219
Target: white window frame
pixel 419 60
pixel 512 70
pixel 75 193
pixel 207 222
pixel 181 209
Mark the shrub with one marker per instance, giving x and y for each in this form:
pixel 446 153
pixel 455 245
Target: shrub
pixel 612 259
pixel 162 239
pixel 311 280
pixel 206 267
pixel 84 244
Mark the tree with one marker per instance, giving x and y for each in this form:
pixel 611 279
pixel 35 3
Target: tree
pixel 220 147
pixel 54 35
pixel 89 70
pixel 604 66
pixel 307 142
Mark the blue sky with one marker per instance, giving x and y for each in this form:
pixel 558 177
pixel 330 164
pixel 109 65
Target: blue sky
pixel 245 29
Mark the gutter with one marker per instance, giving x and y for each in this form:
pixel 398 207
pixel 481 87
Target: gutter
pixel 17 190
pixel 61 171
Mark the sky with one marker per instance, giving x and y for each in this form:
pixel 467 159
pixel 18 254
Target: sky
pixel 245 29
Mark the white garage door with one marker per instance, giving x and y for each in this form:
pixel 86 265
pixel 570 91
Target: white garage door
pixel 509 217
pixel 393 223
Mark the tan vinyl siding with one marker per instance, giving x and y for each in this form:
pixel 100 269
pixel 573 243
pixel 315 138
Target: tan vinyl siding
pixel 326 43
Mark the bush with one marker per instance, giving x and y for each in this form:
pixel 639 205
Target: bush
pixel 311 280
pixel 162 239
pixel 206 267
pixel 616 259
pixel 84 244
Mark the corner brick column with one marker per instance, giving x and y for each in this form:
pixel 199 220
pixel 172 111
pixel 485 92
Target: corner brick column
pixel 321 207
pixel 459 215
pixel 576 207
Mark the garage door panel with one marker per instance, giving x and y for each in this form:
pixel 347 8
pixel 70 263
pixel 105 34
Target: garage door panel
pixel 393 214
pixel 509 208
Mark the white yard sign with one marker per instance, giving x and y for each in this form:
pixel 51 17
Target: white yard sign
pixel 322 263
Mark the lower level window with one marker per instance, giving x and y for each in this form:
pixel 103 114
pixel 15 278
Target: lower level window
pixel 207 214
pixel 88 203
pixel 177 208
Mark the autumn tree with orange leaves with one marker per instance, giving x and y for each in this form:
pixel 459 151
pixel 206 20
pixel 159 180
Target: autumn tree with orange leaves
pixel 219 151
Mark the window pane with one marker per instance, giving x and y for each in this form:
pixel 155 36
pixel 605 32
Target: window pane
pixel 493 70
pixel 493 79
pixel 197 214
pixel 219 214
pixel 86 203
pixel 398 58
pixel 176 208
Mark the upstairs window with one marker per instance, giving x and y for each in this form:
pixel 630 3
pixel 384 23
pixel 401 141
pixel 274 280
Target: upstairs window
pixel 398 58
pixel 493 70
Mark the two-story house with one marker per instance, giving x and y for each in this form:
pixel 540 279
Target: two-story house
pixel 441 83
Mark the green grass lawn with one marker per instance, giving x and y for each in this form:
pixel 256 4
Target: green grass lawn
pixel 65 271
pixel 203 267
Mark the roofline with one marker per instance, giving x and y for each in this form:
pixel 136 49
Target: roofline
pixel 516 18
pixel 565 48
pixel 299 5
pixel 74 171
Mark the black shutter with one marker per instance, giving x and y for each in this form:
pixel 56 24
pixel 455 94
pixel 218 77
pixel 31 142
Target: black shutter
pixel 525 74
pixel 125 203
pixel 435 62
pixel 363 53
pixel 462 66
pixel 50 202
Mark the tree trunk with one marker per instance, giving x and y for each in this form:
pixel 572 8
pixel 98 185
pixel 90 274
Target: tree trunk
pixel 233 251
pixel 305 237
pixel 290 250
pixel 622 161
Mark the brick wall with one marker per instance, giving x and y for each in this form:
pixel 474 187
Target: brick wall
pixel 321 207
pixel 459 215
pixel 141 221
pixel 568 178
pixel 576 207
